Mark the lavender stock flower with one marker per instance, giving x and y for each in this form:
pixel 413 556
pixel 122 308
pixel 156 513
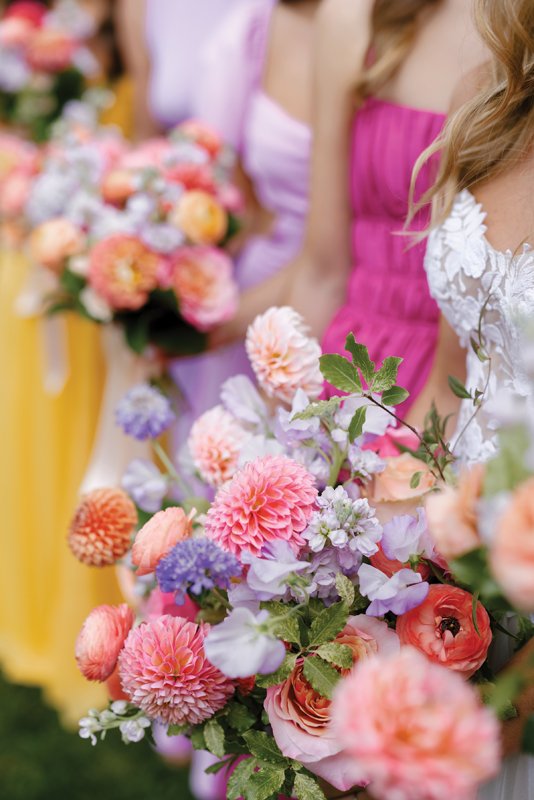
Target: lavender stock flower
pixel 197 565
pixel 342 522
pixel 144 413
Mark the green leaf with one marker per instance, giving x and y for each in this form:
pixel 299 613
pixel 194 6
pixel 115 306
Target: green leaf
pixel 340 373
pixel 238 780
pixel 415 480
pixel 394 396
pixel 360 357
pixel 283 672
pixel 458 388
pixel 240 718
pixel 72 283
pixel 137 333
pixel 345 589
pixel 528 736
pixel 264 747
pixel 507 470
pixel 472 570
pixel 288 629
pixel 218 766
pixel 197 738
pixel 328 624
pixel 307 788
pixel 386 377
pixel 340 655
pixel 177 730
pixel 214 736
pixel 322 677
pixel 319 409
pixel 357 423
pixel 266 782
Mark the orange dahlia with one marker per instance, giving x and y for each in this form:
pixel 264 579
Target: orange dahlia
pixel 102 526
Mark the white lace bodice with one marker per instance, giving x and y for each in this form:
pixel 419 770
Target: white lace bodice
pixel 472 282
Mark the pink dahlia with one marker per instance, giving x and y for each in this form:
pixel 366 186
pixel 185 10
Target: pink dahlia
pixel 202 278
pixel 123 271
pixel 270 499
pixel 419 731
pixel 164 671
pixel 283 356
pixel 215 442
pixel 102 526
pixel 101 639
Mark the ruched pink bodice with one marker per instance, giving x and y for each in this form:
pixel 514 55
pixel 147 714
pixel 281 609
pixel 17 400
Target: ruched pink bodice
pixel 388 305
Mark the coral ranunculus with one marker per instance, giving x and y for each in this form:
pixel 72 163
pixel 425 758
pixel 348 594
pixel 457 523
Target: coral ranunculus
pixel 123 271
pixel 419 731
pixel 202 278
pixel 101 639
pixel 201 217
pixel 158 536
pixel 215 443
pixel 54 241
pixel 270 499
pixel 512 552
pixel 164 671
pixel 452 515
pixel 442 628
pixel 102 526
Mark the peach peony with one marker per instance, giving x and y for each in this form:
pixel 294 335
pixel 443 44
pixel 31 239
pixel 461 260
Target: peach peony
pixel 123 271
pixel 202 279
pixel 165 672
pixel 512 552
pixel 215 443
pixel 270 499
pixel 283 356
pixel 52 242
pixel 442 628
pixel 393 484
pixel 201 217
pixel 452 515
pixel 102 526
pixel 419 731
pixel 300 717
pixel 101 639
pixel 158 536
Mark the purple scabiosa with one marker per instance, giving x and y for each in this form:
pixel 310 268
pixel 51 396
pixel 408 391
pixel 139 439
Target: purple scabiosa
pixel 196 565
pixel 144 413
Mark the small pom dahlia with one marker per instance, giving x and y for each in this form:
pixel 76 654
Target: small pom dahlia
pixel 215 443
pixel 283 356
pixel 102 526
pixel 123 271
pixel 270 499
pixel 101 639
pixel 164 670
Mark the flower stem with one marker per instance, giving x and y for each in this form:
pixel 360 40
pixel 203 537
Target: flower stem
pixel 171 470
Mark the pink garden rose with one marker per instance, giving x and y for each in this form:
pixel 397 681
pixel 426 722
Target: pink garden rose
pixel 101 639
pixel 52 242
pixel 300 717
pixel 452 515
pixel 158 536
pixel 202 278
pixel 215 443
pixel 419 731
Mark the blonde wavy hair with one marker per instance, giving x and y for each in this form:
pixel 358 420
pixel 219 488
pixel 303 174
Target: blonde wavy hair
pixel 394 26
pixel 495 129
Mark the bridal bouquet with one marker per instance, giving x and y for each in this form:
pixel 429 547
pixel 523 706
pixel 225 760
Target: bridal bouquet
pixel 304 622
pixel 141 240
pixel 44 63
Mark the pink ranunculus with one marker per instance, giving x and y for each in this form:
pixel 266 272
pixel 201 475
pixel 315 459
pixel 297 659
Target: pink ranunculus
pixel 215 443
pixel 419 731
pixel 442 628
pixel 300 717
pixel 386 445
pixel 16 32
pixel 51 50
pixel 204 284
pixel 158 536
pixel 52 242
pixel 123 271
pixel 101 639
pixel 512 551
pixel 393 484
pixel 283 356
pixel 30 10
pixel 452 515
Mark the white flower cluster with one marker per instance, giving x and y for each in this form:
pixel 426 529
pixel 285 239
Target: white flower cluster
pixel 342 522
pixel 118 715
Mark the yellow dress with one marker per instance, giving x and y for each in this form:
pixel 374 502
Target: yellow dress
pixel 45 443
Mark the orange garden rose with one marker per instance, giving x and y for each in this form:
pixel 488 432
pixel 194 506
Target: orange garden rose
pixel 123 271
pixel 54 241
pixel 201 217
pixel 452 515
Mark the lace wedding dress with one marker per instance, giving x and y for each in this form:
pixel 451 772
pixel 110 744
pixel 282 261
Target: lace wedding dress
pixel 483 293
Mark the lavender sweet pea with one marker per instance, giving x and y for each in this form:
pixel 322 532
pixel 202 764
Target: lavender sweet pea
pixel 242 645
pixel 145 484
pixel 268 576
pixel 400 593
pixel 407 537
pixel 144 413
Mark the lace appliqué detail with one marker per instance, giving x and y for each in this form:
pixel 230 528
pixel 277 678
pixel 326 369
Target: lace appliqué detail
pixel 466 274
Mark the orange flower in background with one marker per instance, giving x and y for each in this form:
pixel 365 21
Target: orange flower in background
pixel 123 271
pixel 512 553
pixel 201 217
pixel 442 628
pixel 117 186
pixel 202 278
pixel 52 242
pixel 393 484
pixel 102 526
pixel 452 515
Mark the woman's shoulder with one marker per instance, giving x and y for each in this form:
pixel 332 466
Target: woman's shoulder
pixel 344 28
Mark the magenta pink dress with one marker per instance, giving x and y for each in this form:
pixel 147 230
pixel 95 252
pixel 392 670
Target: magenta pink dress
pixel 388 305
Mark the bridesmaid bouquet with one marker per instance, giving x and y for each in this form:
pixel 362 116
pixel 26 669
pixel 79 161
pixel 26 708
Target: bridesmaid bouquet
pixel 141 241
pixel 318 615
pixel 44 63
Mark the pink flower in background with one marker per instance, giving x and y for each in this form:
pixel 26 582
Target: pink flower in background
pixel 123 271
pixel 271 498
pixel 147 155
pixel 386 445
pixel 215 443
pixel 30 10
pixel 52 242
pixel 159 603
pixel 283 356
pixel 117 186
pixel 101 639
pixel 16 32
pixel 367 636
pixel 15 192
pixel 201 134
pixel 158 536
pixel 192 177
pixel 203 282
pixel 164 670
pixel 51 50
pixel 512 552
pixel 442 628
pixel 419 731
pixel 393 484
pixel 452 515
pixel 100 531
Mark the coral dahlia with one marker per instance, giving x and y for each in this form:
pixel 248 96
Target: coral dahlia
pixel 123 271
pixel 165 672
pixel 270 499
pixel 101 639
pixel 102 526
